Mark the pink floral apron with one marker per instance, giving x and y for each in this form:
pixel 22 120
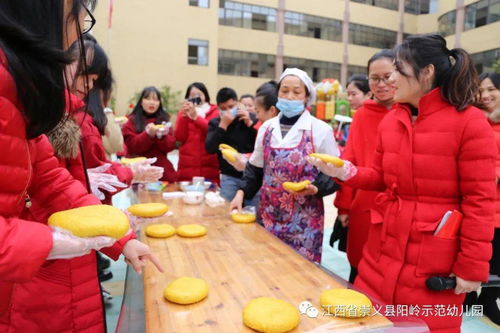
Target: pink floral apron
pixel 296 220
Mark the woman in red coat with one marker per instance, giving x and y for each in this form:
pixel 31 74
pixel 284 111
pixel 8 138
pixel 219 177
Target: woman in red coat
pixel 191 130
pixel 490 99
pixel 39 293
pixel 142 136
pixel 354 204
pixel 434 153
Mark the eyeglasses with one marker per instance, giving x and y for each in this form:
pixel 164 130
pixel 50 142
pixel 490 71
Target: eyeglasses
pixel 377 80
pixel 89 20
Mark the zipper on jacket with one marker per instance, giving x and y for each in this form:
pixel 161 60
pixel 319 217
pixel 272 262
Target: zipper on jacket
pixel 24 194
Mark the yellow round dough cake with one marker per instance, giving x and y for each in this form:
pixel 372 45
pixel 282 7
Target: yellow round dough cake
pixel 186 290
pixel 91 221
pixel 270 315
pixel 347 303
pixel 127 161
pixel 243 217
pixel 160 230
pixel 191 230
pixel 153 209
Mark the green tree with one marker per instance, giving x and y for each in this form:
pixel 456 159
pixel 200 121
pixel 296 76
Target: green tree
pixel 496 66
pixel 170 99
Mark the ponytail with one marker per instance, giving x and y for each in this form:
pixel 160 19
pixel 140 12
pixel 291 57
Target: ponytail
pixel 454 71
pixel 460 84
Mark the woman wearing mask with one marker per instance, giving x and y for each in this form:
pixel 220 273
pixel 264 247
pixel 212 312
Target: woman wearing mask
pixel 191 131
pixel 354 204
pixel 143 136
pixel 435 153
pixel 40 294
pixel 490 99
pixel 282 144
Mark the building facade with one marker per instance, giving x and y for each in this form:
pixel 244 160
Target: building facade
pixel 234 43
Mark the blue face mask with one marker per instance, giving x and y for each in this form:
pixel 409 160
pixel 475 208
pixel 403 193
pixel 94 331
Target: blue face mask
pixel 290 108
pixel 234 111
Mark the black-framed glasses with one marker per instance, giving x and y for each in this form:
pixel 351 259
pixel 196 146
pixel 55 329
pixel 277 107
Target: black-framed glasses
pixel 89 20
pixel 377 80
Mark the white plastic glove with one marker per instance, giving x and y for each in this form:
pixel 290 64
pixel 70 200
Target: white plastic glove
pixel 345 172
pixel 65 245
pixel 144 172
pixel 99 180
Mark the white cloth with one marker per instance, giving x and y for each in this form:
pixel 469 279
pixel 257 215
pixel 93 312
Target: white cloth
pixel 322 133
pixel 202 110
pixel 305 79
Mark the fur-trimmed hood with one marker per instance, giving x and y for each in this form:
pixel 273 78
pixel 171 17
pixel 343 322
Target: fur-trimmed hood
pixel 65 139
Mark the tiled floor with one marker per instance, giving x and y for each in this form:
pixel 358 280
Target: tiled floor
pixel 333 260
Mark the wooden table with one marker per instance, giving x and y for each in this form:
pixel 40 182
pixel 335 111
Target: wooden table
pixel 239 262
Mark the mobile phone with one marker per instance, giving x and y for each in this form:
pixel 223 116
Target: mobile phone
pixel 195 100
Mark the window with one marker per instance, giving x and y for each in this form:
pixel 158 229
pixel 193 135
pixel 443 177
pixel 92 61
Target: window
pixel 446 24
pixel 247 16
pixel 484 61
pixel 317 70
pixel 200 3
pixel 411 6
pixel 371 36
pixel 198 52
pixel 476 15
pixel 246 64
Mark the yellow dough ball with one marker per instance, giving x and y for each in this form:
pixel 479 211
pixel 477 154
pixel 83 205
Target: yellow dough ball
pixel 296 187
pixel 270 315
pixel 186 290
pixel 91 221
pixel 230 155
pixel 152 209
pixel 160 230
pixel 329 159
pixel 127 161
pixel 159 126
pixel 345 303
pixel 243 217
pixel 191 230
pixel 225 146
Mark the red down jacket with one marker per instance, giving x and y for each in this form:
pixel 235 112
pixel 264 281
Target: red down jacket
pixel 39 295
pixel 444 160
pixel 360 149
pixel 140 144
pixel 194 160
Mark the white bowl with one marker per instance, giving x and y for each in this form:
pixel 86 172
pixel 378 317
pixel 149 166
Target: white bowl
pixel 193 197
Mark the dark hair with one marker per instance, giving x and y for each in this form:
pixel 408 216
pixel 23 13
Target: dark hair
pixel 199 86
pixel 97 63
pixel 267 93
pixel 494 77
pixel 360 81
pixel 457 79
pixel 247 96
pixel 225 94
pixel 382 54
pixel 31 37
pixel 139 114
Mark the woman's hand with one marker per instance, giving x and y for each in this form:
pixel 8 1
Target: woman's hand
pixel 309 190
pixel 137 254
pixel 344 220
pixel 464 286
pixel 240 164
pixel 189 110
pixel 237 202
pixel 151 130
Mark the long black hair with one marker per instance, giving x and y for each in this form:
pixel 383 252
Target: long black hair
pixel 140 115
pixel 98 64
pixel 31 37
pixel 200 86
pixel 454 70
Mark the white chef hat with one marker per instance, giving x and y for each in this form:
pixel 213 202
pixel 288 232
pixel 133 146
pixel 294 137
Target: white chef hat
pixel 305 79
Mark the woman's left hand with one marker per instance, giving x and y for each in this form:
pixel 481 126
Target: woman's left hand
pixel 464 286
pixel 309 190
pixel 137 254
